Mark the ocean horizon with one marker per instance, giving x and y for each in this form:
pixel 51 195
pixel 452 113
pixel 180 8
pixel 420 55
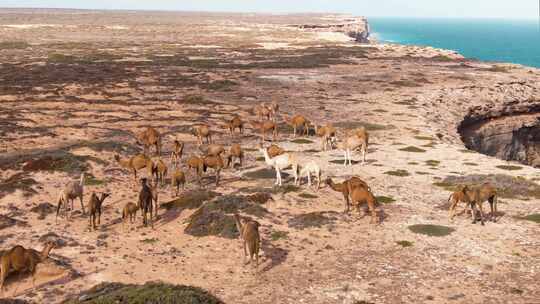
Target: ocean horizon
pixel 495 40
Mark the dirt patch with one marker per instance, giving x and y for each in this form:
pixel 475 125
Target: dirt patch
pixel 153 292
pixel 312 220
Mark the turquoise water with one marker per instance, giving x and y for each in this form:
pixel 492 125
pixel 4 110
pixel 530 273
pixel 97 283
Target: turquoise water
pixel 515 41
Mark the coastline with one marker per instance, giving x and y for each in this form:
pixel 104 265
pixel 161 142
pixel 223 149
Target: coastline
pixel 74 94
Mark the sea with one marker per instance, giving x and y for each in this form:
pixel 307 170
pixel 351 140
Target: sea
pixel 495 40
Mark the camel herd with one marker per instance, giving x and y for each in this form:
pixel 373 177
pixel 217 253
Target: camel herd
pixel 217 157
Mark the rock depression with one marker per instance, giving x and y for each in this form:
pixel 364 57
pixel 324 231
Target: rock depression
pixel 509 131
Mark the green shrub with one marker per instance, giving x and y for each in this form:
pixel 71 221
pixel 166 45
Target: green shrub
pixel 149 293
pixel 405 243
pixel 399 172
pixel 412 149
pixel 431 230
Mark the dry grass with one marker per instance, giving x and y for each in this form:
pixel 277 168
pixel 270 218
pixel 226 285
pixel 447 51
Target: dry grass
pixel 13 45
pixel 151 292
pixel 312 220
pixel 398 172
pixel 405 244
pixel 412 149
pixel 385 199
pixel 509 167
pixel 431 230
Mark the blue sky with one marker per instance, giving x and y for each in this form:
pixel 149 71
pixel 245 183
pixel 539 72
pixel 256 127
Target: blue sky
pixel 411 8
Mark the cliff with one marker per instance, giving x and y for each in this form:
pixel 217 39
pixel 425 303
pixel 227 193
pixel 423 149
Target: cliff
pixel 509 131
pixel 356 28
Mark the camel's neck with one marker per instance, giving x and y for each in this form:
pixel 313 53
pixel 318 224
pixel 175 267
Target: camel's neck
pixel 267 158
pixel 121 162
pixel 45 252
pixel 335 187
pixel 239 225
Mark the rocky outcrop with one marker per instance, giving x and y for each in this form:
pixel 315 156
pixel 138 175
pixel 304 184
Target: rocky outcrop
pixel 357 28
pixel 510 131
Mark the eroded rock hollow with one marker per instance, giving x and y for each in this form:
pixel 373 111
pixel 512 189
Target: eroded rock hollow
pixel 510 131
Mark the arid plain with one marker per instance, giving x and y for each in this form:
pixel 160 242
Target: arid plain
pixel 76 85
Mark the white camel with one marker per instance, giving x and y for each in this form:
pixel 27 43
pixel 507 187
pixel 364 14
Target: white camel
pixel 312 168
pixel 281 162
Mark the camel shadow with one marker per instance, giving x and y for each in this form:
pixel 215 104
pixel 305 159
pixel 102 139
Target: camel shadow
pixel 276 255
pixel 53 271
pixel 381 214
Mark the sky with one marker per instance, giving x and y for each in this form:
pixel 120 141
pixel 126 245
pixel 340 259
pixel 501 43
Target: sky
pixel 511 9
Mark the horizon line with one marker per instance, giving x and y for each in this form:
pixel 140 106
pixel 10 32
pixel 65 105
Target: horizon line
pixel 261 12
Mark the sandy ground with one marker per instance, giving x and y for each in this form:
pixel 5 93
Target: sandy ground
pixel 80 88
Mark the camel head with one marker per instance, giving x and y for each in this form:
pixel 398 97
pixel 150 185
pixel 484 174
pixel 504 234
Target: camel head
pixel 328 180
pixel 104 195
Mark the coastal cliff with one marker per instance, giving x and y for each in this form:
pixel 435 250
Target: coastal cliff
pixel 356 28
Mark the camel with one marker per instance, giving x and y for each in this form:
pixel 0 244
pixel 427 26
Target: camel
pixel 95 205
pixel 455 198
pixel 262 111
pixel 312 168
pixel 351 143
pixel 346 187
pixel 328 135
pixel 361 195
pixel 176 154
pixel 196 163
pixel 149 137
pixel 202 131
pixel 274 109
pixel 296 122
pixel 264 127
pixel 135 163
pixel 249 233
pixel 21 259
pixel 281 162
pixel 234 152
pixel 70 192
pixel 275 150
pixel 235 123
